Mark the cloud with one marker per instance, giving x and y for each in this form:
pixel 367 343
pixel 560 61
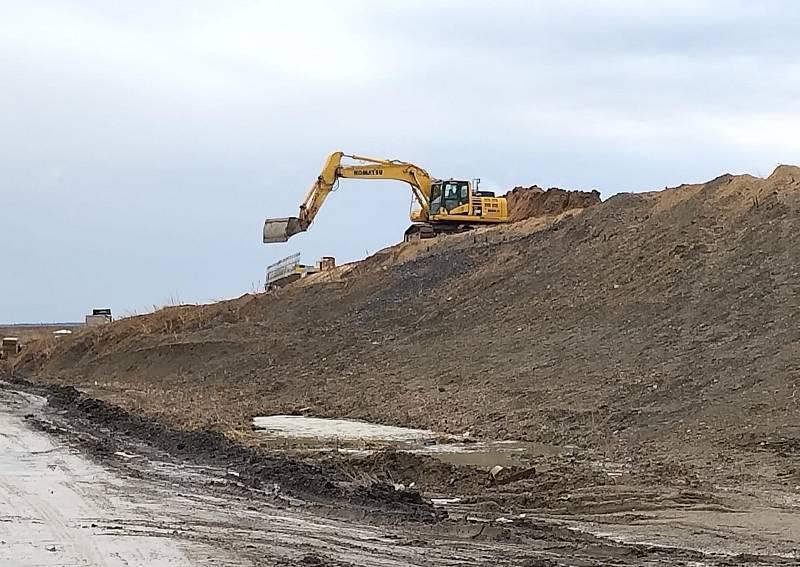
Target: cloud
pixel 142 144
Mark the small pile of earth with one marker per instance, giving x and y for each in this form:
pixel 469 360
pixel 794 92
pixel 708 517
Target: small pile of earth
pixel 527 202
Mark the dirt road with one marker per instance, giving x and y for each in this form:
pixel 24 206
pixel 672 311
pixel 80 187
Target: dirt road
pixel 138 506
pixel 58 508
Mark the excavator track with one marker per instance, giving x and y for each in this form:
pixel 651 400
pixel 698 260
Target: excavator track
pixel 423 231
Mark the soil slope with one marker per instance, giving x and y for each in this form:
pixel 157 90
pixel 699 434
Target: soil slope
pixel 664 321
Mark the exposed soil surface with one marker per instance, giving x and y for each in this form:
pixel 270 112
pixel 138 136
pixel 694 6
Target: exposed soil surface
pixel 532 202
pixel 667 317
pixel 655 332
pixel 114 429
pixel 141 505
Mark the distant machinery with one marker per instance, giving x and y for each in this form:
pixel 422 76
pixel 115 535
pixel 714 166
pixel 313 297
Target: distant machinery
pixel 99 317
pixel 290 269
pixel 9 347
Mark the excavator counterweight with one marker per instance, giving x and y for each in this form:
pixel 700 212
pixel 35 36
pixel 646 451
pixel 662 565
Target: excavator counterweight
pixel 446 206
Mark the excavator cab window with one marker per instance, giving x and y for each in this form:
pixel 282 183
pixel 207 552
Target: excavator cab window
pixel 455 193
pixel 436 198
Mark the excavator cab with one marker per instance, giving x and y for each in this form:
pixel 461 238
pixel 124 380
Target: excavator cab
pixel 448 195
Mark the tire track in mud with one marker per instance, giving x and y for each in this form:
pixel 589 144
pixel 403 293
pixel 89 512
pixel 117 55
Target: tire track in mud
pixel 51 503
pixel 64 540
pixel 28 507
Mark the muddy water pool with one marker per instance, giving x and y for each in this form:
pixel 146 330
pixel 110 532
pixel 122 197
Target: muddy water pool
pixel 323 434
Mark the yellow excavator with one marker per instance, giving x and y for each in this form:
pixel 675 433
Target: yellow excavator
pixel 446 206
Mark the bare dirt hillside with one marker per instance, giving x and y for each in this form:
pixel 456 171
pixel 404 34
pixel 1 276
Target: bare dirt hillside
pixel 661 323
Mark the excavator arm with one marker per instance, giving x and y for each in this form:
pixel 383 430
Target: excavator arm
pixel 446 206
pixel 280 230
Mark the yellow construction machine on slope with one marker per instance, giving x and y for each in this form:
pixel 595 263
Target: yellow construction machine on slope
pixel 446 206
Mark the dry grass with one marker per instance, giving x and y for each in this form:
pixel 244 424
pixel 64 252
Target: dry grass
pixel 359 477
pixel 29 333
pixel 181 403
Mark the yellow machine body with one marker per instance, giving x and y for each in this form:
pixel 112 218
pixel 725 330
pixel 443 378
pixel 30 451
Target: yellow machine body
pixel 444 205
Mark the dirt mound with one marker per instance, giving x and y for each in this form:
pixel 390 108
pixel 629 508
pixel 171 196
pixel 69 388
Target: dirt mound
pixel 661 323
pixel 527 202
pixel 427 473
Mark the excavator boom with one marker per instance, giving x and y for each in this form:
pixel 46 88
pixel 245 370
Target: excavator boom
pixel 450 205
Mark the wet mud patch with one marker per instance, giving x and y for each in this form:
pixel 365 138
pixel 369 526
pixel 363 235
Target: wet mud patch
pixel 113 430
pixel 301 433
pixel 285 533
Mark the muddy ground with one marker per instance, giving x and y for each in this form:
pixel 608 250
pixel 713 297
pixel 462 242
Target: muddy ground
pixel 76 490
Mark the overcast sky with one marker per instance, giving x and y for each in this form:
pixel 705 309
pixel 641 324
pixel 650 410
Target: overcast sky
pixel 142 144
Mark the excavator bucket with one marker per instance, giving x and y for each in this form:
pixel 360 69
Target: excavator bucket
pixel 279 230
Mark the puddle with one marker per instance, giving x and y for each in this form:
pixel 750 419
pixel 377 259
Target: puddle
pixel 358 437
pixel 300 427
pixel 486 454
